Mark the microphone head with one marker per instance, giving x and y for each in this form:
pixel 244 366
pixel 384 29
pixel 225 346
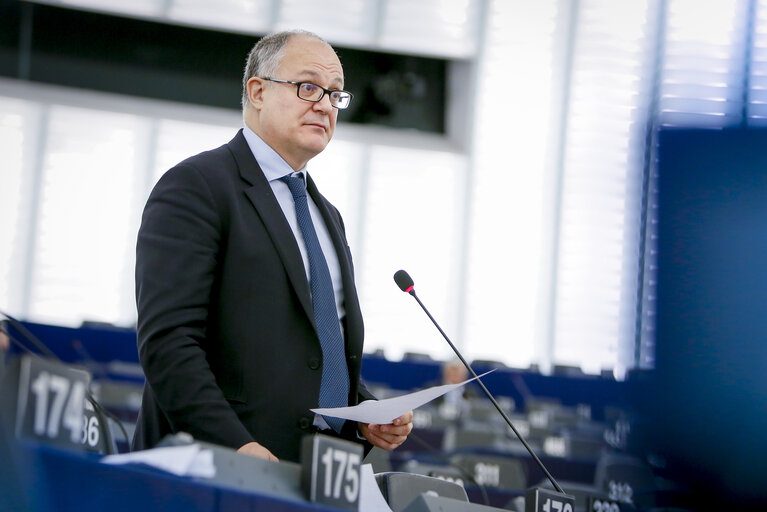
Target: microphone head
pixel 403 280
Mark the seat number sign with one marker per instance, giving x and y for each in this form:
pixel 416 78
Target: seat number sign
pixel 51 403
pixel 331 471
pixel 604 505
pixel 543 500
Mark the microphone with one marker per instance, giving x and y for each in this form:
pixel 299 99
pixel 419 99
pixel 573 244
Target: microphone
pixel 405 283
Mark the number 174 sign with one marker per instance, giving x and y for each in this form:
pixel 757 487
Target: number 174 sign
pixel 51 401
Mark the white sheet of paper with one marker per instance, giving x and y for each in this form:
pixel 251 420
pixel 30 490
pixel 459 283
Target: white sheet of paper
pixel 383 412
pixel 188 460
pixel 371 499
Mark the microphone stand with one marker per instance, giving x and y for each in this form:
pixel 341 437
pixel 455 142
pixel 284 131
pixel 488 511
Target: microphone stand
pixel 405 283
pixel 490 396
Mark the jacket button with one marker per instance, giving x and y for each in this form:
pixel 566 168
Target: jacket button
pixel 314 363
pixel 304 423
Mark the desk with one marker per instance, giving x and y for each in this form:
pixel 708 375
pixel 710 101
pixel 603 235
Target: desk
pixel 54 480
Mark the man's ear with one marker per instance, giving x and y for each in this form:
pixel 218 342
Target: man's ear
pixel 255 88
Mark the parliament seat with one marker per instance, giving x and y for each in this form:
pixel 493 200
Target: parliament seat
pixel 401 489
pixel 626 478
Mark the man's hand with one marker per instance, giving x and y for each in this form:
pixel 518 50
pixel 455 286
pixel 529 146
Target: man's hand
pixel 388 436
pixel 256 450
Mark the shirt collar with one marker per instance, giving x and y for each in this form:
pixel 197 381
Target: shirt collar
pixel 271 163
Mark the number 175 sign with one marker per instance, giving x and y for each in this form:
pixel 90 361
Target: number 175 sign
pixel 331 471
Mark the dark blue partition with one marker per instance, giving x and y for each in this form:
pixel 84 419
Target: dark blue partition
pixel 81 345
pixel 708 401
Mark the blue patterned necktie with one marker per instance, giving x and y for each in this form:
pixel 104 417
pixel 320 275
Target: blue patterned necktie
pixel 334 388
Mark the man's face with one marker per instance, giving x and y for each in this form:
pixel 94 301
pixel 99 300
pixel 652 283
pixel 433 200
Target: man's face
pixel 297 129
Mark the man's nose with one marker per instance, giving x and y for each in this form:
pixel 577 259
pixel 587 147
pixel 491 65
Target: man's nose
pixel 324 104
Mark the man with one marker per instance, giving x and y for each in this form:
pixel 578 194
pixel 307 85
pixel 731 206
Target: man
pixel 228 329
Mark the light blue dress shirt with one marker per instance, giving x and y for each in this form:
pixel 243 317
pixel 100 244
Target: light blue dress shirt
pixel 274 168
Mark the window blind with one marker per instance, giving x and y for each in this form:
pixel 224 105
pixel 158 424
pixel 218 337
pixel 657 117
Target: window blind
pixel 596 271
pixel 700 84
pixel 757 92
pixel 703 64
pixel 506 266
pixel 85 212
pixel 16 120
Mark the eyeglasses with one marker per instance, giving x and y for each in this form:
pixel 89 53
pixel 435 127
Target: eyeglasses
pixel 312 92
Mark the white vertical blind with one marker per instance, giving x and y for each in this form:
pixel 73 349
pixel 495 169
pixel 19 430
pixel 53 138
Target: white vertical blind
pixel 341 21
pixel 148 8
pixel 178 140
pixel 508 215
pixel 16 116
pixel 703 63
pixel 239 15
pixel 85 212
pixel 339 173
pixel 412 208
pixel 432 27
pixel 598 256
pixel 757 94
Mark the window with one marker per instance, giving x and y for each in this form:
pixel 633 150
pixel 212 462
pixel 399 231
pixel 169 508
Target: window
pixel 601 173
pixel 17 119
pixel 530 239
pixel 506 277
pixel 85 227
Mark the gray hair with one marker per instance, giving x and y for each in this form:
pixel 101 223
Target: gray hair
pixel 266 56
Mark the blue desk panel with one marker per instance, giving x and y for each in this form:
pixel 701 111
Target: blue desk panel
pixel 54 480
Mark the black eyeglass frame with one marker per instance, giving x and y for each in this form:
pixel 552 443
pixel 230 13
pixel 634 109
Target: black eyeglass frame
pixel 298 85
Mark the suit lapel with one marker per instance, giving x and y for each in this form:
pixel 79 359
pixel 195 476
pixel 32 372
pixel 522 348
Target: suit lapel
pixel 351 301
pixel 261 196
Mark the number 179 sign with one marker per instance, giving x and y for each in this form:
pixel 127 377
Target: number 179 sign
pixel 51 401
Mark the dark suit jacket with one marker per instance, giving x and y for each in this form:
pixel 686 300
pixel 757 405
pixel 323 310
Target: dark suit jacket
pixel 225 326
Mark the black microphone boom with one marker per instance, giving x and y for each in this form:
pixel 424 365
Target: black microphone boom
pixel 405 283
